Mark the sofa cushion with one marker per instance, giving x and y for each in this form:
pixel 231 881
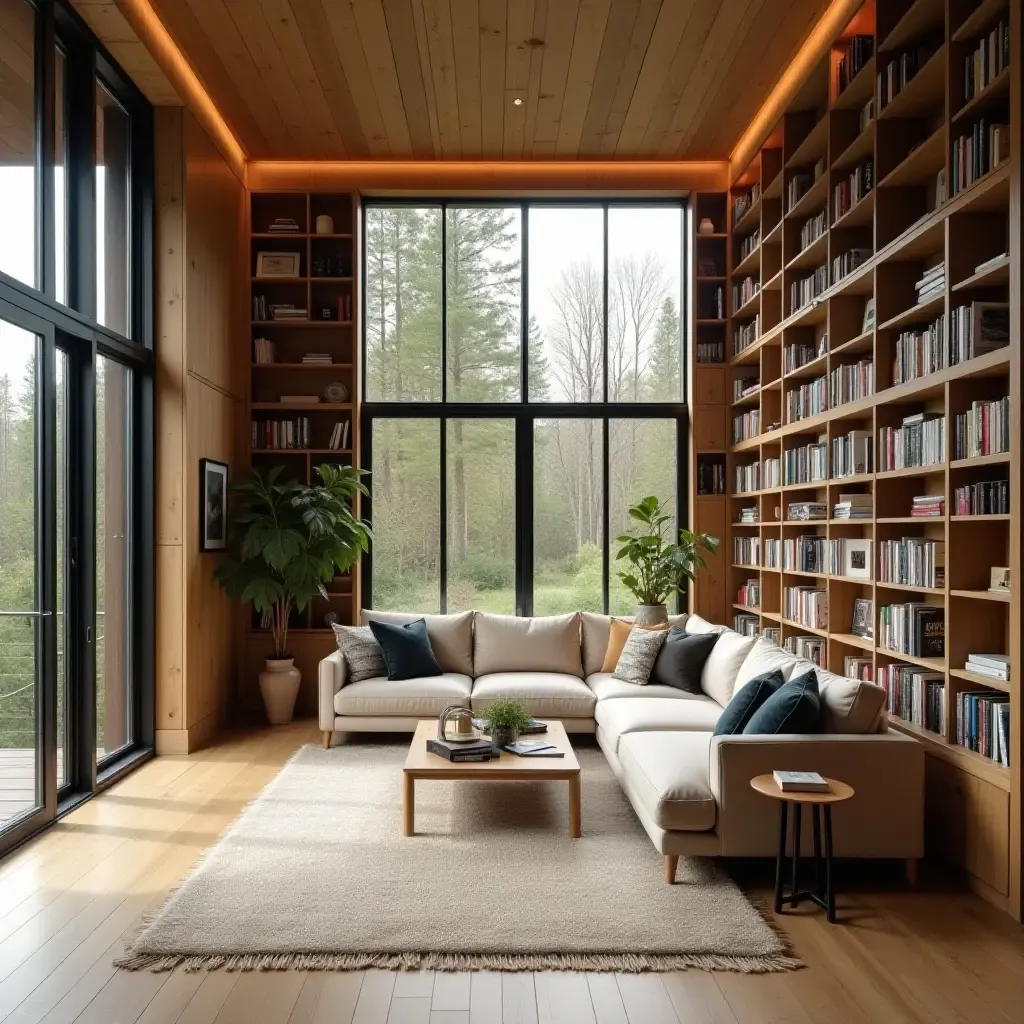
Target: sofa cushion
pixel 718 680
pixel 511 643
pixel 681 659
pixel 543 694
pixel 406 649
pixel 746 700
pixel 639 655
pixel 687 712
pixel 595 638
pixel 763 657
pixel 363 656
pixel 451 636
pixel 669 773
pixel 425 697
pixel 607 687
pixel 695 624
pixel 847 705
pixel 793 708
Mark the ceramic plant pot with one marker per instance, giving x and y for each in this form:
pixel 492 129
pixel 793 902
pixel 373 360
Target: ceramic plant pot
pixel 503 737
pixel 279 684
pixel 651 614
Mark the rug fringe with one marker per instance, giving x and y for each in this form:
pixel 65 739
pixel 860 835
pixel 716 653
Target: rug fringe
pixel 632 963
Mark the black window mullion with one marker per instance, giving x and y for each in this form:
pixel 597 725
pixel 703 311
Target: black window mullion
pixel 605 519
pixel 46 150
pixel 524 303
pixel 524 498
pixel 366 510
pixel 81 183
pixel 443 513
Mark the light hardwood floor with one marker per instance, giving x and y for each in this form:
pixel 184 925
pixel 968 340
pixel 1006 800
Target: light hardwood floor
pixel 70 899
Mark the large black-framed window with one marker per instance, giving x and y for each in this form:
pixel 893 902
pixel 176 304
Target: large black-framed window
pixel 76 418
pixel 523 383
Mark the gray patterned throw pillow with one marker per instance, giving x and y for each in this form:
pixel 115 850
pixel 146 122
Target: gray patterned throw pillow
pixel 639 655
pixel 363 655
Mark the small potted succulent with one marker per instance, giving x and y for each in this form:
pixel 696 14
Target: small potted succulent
pixel 505 720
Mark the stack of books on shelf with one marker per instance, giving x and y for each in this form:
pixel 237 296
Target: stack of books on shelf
pixel 894 76
pixel 813 228
pixel 807 464
pixel 280 434
pixel 978 328
pixel 799 355
pixel 912 562
pixel 743 386
pixel 744 291
pixel 746 425
pixel 983 430
pixel 744 335
pixel 804 554
pixel 748 514
pixel 284 226
pixel 746 625
pixel 913 628
pixel 847 194
pixel 983 723
pixel 995 666
pixel 850 382
pixel 810 647
pixel 806 605
pixel 928 506
pixel 851 454
pixel 974 155
pixel 915 695
pixel 277 310
pixel 804 291
pixel 853 506
pixel 806 511
pixel 807 400
pixel 318 359
pixel 796 189
pixel 772 553
pixel 931 284
pixel 746 550
pixel 920 351
pixel 857 667
pixel 858 52
pixel 749 243
pixel 989 58
pixel 920 441
pixel 749 594
pixel 710 352
pixel 848 262
pixel 985 498
pixel 744 202
pixel 339 435
pixel 264 351
pixel 850 558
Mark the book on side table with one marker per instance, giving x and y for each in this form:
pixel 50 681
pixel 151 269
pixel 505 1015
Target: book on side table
pixel 800 782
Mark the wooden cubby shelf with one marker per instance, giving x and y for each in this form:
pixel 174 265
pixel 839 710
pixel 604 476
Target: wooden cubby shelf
pixel 923 252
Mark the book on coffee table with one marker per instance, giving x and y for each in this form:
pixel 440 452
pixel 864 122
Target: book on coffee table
pixel 533 748
pixel 479 751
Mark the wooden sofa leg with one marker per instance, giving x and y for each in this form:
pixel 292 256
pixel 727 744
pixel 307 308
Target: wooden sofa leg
pixel 327 739
pixel 910 866
pixel 671 863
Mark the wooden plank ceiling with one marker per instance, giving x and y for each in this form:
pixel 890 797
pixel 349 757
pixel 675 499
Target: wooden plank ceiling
pixel 438 79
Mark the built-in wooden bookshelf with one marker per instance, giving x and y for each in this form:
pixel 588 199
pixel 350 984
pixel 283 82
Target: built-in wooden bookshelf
pixel 850 169
pixel 319 229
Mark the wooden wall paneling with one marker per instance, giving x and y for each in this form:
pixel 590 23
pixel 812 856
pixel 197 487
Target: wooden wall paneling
pixel 591 29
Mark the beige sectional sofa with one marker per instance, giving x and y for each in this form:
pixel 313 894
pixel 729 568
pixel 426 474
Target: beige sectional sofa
pixel 690 790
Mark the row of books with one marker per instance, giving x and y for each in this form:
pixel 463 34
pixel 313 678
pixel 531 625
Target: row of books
pixel 749 594
pixel 850 382
pixel 912 562
pixel 744 291
pixel 749 243
pixel 806 605
pixel 747 477
pixel 748 514
pixel 853 506
pixel 806 290
pixel 810 647
pixel 851 454
pixel 746 625
pixel 989 58
pixel 742 386
pixel 264 350
pixel 796 189
pixel 913 628
pixel 848 262
pixel 855 666
pixel 928 506
pixel 813 228
pixel 985 498
pixel 280 434
pixel 746 550
pixel 773 633
pixel 974 155
pixel 983 430
pixel 847 194
pixel 796 356
pixel 919 441
pixel 915 694
pixel 850 558
pixel 806 511
pixel 983 723
pixel 744 335
pixel 978 328
pixel 745 201
pixel 339 435
pixel 921 351
pixel 805 553
pixel 710 352
pixel 806 464
pixel 772 553
pixel 746 425
pixel 895 75
pixel 807 400
pixel 859 50
pixel 710 476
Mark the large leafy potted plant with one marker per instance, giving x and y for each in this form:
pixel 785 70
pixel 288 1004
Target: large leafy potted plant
pixel 288 541
pixel 659 564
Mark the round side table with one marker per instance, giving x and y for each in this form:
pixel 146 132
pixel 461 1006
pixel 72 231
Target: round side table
pixel 821 806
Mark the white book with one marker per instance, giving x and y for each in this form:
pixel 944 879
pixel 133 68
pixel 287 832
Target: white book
pixel 800 782
pixel 994 660
pixel 989 673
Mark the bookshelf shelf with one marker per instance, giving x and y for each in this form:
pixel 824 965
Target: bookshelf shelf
pixel 983 14
pixel 996 92
pixel 997 274
pixel 980 680
pixel 923 93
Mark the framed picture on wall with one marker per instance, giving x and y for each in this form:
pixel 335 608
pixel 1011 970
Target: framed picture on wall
pixel 213 505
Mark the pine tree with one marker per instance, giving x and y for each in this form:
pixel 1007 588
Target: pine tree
pixel 665 355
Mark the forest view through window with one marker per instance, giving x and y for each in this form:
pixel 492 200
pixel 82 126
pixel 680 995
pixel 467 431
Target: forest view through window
pixel 523 386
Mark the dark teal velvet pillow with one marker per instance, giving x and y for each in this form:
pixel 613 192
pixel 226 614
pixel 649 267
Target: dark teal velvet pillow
pixel 793 708
pixel 745 701
pixel 406 649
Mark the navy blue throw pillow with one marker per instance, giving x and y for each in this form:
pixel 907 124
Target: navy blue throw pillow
pixel 746 701
pixel 406 649
pixel 793 708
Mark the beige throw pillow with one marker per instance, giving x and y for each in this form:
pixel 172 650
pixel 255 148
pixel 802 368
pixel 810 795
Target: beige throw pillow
pixel 639 655
pixel 363 656
pixel 511 643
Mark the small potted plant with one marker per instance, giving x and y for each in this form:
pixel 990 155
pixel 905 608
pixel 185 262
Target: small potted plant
pixel 659 566
pixel 288 541
pixel 505 720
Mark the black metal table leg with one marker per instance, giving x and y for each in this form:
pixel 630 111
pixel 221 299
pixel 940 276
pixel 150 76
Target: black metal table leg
pixel 793 892
pixel 830 899
pixel 816 832
pixel 780 860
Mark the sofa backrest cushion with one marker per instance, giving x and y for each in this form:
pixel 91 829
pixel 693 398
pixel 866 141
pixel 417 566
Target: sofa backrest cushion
pixel 695 624
pixel 718 680
pixel 765 656
pixel 510 643
pixel 848 705
pixel 451 636
pixel 596 628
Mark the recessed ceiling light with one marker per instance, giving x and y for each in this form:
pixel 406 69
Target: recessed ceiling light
pixel 518 102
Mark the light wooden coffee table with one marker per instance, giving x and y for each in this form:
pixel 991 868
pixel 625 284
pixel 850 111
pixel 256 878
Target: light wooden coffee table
pixel 508 768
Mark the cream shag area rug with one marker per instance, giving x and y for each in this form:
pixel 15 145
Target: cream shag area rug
pixel 316 874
